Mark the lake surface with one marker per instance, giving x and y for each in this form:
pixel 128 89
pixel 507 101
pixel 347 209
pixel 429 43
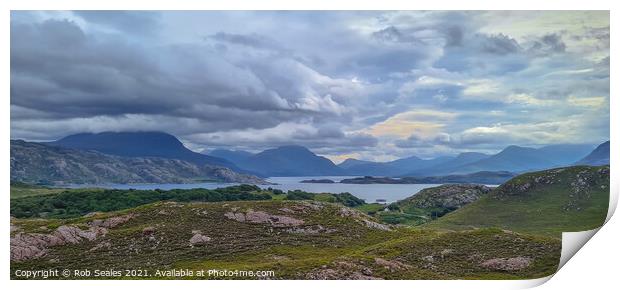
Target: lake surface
pixel 369 192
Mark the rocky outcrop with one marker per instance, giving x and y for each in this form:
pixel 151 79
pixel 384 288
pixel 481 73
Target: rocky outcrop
pixel 261 217
pixel 310 230
pixel 364 219
pixel 26 246
pixel 198 238
pixel 393 266
pixel 510 264
pixel 342 270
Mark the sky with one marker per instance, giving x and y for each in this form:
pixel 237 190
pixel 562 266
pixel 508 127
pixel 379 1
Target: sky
pixel 372 85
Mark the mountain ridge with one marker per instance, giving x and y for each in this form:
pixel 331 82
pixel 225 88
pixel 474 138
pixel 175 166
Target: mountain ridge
pixel 47 164
pixel 598 156
pixel 139 144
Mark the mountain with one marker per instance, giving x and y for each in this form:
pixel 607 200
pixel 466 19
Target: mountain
pixel 139 144
pixel 600 156
pixel 46 164
pixel 350 162
pixel 392 168
pixel 546 202
pixel 371 168
pixel 235 156
pixel 414 163
pixel 449 165
pixel 290 161
pixel 521 159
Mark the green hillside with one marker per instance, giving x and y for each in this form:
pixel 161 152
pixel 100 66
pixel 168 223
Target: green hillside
pixel 295 239
pixel 469 231
pixel 431 203
pixel 545 202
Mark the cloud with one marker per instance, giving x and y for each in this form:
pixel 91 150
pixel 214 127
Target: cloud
pixel 372 84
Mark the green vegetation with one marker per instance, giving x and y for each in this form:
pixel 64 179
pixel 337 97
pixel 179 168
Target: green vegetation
pixel 20 189
pixel 431 203
pixel 343 248
pixel 75 203
pixel 68 203
pixel 546 202
pixel 370 208
pixel 448 232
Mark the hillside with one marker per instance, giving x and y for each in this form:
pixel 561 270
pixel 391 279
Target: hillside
pixel 599 156
pixel 545 202
pixel 139 144
pixel 290 161
pixel 295 239
pixel 45 164
pixel 432 203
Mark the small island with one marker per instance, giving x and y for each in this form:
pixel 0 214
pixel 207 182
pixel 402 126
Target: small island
pixel 481 177
pixel 317 181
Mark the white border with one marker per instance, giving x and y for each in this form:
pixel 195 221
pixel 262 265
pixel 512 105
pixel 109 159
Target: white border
pixel 595 264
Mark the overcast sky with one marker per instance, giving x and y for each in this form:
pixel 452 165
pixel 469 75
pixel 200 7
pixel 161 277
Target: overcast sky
pixel 369 85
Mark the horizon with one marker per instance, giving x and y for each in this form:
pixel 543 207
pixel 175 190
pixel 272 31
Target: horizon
pixel 369 85
pixel 338 161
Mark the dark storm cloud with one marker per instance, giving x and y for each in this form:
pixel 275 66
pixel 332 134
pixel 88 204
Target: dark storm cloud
pixel 548 44
pixel 80 75
pixel 320 79
pixel 498 44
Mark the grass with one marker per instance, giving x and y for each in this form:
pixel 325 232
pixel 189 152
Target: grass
pixel 347 248
pixel 522 218
pixel 547 209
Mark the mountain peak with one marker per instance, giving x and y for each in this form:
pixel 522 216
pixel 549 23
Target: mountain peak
pixel 290 160
pixel 293 147
pixel 599 156
pixel 138 144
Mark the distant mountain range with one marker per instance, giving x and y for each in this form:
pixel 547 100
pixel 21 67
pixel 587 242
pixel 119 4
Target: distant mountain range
pixel 521 159
pixel 299 161
pixel 512 158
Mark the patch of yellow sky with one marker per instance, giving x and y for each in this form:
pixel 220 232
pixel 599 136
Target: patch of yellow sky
pixel 403 125
pixel 421 122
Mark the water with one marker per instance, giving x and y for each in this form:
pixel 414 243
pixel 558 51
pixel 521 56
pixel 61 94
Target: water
pixel 369 192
